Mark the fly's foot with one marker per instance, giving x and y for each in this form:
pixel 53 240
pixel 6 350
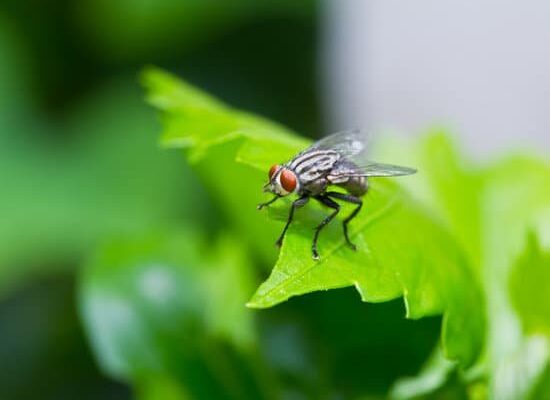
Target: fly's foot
pixel 346 236
pixel 262 205
pixel 279 242
pixel 315 254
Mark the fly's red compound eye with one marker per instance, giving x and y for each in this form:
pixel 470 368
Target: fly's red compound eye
pixel 272 170
pixel 288 180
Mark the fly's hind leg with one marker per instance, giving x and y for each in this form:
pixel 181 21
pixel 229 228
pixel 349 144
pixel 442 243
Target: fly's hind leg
pixel 350 199
pixel 323 199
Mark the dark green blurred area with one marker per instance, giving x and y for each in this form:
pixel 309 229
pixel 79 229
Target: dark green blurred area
pixel 80 169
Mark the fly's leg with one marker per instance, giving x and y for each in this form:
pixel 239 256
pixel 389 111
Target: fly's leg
pixel 329 203
pixel 350 199
pixel 296 204
pixel 262 205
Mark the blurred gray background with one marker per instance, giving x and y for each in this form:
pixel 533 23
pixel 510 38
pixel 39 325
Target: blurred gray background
pixel 481 68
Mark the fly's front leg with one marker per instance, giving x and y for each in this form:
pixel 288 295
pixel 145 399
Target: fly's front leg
pixel 329 203
pixel 262 205
pixel 296 204
pixel 350 199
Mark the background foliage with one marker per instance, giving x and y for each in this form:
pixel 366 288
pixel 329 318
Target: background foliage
pixel 125 269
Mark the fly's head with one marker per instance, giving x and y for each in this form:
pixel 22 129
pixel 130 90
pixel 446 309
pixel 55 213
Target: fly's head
pixel 282 181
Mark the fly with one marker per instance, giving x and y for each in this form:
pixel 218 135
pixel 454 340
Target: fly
pixel 332 161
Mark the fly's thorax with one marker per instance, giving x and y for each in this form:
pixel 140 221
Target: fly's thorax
pixel 313 165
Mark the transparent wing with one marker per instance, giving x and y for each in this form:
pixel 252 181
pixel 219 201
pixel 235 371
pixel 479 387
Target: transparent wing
pixel 351 146
pixel 347 143
pixel 370 169
pixel 379 169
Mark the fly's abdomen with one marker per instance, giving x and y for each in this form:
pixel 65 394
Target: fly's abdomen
pixel 355 185
pixel 348 176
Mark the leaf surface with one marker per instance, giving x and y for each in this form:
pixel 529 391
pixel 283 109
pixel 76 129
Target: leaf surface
pixel 491 210
pixel 402 250
pixel 154 308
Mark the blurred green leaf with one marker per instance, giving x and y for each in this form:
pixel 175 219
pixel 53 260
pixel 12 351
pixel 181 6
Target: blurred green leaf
pixel 175 23
pixel 542 389
pixel 43 349
pixel 172 307
pixel 338 347
pixel 194 119
pixel 447 183
pixel 490 210
pixel 530 286
pixel 106 178
pixel 15 75
pixel 516 201
pixel 214 136
pixel 433 376
pixel 451 188
pixel 160 387
pixel 401 251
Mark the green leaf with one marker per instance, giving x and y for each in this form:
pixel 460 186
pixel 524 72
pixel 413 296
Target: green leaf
pixel 192 118
pixel 402 252
pixel 451 187
pixel 497 207
pixel 170 306
pixel 160 387
pixel 230 150
pixel 516 200
pixel 178 24
pixel 433 376
pixel 530 286
pixel 449 184
pixel 135 187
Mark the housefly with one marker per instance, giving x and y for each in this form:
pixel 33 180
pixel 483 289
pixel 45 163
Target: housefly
pixel 335 160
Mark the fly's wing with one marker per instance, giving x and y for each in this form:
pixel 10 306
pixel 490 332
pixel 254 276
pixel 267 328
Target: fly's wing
pixel 318 160
pixel 346 143
pixel 368 169
pixel 379 169
pixel 340 156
